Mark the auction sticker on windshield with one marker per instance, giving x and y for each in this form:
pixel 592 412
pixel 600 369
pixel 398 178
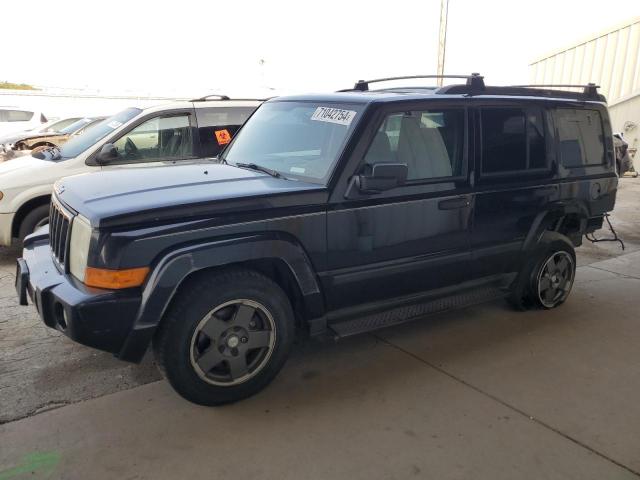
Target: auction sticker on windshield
pixel 114 124
pixel 333 115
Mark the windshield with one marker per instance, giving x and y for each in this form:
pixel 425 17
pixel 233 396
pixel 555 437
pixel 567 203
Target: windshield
pixel 297 139
pixel 79 144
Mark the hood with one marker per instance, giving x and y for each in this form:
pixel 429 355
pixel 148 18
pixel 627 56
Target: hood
pixel 18 137
pixel 17 165
pixel 171 191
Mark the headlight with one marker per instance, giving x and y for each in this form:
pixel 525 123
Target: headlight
pixel 79 247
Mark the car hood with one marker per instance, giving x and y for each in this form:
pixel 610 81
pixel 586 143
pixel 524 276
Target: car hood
pixel 18 165
pixel 152 194
pixel 17 137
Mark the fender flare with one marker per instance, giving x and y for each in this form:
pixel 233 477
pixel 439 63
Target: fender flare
pixel 174 267
pixel 549 216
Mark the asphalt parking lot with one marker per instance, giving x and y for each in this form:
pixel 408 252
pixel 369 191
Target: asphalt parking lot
pixel 484 392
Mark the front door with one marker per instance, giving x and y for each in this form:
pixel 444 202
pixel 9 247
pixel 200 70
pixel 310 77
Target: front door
pixel 167 137
pixel 412 238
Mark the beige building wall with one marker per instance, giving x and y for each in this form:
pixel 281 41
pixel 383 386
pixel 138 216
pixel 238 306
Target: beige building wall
pixel 610 59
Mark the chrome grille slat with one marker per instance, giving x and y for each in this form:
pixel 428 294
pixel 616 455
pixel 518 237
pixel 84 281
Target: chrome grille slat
pixel 52 228
pixel 56 230
pixel 62 248
pixel 59 232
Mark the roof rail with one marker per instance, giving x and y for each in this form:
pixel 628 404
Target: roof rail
pixel 475 81
pixel 210 97
pixel 225 98
pixel 589 90
pixel 549 91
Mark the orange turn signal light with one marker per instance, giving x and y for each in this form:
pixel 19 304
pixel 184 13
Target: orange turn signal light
pixel 115 279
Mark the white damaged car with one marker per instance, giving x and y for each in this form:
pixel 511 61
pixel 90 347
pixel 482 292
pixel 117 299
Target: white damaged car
pixel 177 131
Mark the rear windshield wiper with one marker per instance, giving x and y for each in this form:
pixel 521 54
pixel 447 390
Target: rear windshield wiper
pixel 260 168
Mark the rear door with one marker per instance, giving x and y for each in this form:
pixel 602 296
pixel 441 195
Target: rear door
pixel 412 238
pixel 514 161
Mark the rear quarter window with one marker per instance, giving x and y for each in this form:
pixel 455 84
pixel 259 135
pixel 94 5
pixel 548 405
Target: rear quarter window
pixel 580 137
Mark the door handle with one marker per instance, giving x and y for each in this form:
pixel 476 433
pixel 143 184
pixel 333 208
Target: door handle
pixel 454 203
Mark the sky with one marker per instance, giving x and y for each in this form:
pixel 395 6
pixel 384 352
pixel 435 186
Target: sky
pixel 242 47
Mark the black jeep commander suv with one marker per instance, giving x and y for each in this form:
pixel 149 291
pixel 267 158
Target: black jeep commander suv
pixel 336 213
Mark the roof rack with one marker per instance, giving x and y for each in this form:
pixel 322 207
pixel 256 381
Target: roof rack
pixel 475 85
pixel 475 81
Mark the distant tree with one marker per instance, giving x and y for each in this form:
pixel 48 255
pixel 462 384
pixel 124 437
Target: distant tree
pixel 16 86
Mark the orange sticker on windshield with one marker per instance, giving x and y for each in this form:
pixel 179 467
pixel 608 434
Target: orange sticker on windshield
pixel 223 136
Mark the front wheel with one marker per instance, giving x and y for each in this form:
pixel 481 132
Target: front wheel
pixel 225 337
pixel 36 218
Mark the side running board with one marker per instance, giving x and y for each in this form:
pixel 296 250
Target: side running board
pixel 407 313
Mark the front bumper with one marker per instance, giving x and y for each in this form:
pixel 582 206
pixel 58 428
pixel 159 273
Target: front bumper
pixel 101 319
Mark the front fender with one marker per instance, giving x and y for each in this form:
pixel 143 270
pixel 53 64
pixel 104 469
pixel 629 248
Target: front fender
pixel 169 273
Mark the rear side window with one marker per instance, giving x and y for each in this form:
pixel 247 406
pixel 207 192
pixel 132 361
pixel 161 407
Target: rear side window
pixel 580 136
pixel 213 117
pixel 15 116
pixel 216 126
pixel 430 142
pixel 513 140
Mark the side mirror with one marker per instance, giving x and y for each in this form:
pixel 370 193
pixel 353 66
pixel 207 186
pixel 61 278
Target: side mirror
pixel 379 177
pixel 107 153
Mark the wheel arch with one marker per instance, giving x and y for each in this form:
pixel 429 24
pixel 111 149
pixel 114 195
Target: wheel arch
pixel 276 255
pixel 24 210
pixel 39 144
pixel 568 219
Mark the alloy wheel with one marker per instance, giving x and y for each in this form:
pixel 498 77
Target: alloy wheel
pixel 555 279
pixel 233 342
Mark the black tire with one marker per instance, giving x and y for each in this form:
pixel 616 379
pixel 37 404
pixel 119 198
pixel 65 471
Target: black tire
pixel 526 292
pixel 182 343
pixel 32 220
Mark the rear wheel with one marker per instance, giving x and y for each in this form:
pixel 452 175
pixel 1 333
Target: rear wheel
pixel 554 279
pixel 35 219
pixel 546 280
pixel 225 337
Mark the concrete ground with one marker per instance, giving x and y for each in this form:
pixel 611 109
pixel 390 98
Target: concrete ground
pixel 484 392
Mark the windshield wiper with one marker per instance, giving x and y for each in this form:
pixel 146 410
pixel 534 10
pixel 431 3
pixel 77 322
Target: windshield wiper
pixel 260 168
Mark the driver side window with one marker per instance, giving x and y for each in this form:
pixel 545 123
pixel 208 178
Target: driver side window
pixel 159 138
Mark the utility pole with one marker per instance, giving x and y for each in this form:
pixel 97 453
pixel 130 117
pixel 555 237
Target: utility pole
pixel 442 37
pixel 261 62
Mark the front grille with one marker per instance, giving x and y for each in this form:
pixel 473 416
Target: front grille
pixel 59 231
